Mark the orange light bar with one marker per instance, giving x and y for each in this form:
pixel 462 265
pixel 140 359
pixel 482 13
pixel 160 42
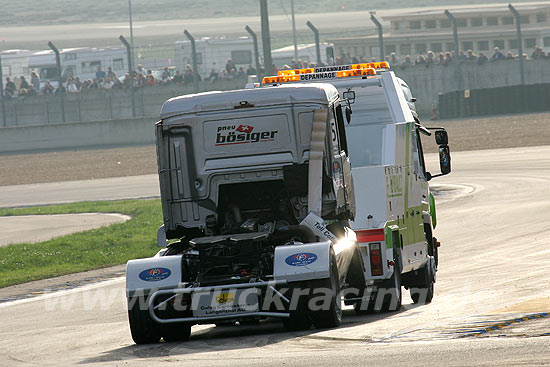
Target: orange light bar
pixel 280 79
pixel 356 72
pixel 317 76
pixel 296 71
pixel 370 65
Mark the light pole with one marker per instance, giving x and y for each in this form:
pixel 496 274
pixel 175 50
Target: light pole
pixel 131 32
pixel 380 35
pixel 520 46
pixel 317 42
pixel 452 19
pixel 294 31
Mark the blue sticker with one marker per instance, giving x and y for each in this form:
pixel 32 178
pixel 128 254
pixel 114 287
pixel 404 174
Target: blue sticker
pixel 301 259
pixel 155 274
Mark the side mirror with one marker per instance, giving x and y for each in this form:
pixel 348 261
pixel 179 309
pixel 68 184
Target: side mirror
pixel 444 159
pixel 348 114
pixel 441 137
pixel 349 96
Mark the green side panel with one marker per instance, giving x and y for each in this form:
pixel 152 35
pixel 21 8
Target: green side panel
pixel 388 236
pixel 432 210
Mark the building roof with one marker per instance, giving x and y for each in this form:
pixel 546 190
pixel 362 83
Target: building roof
pixel 467 10
pixel 268 96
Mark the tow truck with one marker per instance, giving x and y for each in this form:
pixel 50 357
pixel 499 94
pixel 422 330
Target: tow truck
pixel 396 213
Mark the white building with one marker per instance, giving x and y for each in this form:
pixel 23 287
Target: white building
pixel 481 28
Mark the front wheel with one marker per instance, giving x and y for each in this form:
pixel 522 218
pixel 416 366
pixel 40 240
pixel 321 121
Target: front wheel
pixel 176 332
pixel 144 330
pixel 328 312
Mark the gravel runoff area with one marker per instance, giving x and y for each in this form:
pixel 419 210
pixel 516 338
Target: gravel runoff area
pixel 68 165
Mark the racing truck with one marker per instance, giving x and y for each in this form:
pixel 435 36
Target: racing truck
pixel 257 198
pixel 396 214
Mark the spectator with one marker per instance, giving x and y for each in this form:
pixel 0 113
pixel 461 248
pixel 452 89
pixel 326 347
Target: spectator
pixel 110 73
pixel 150 81
pixel 165 78
pixel 32 91
pixel 430 59
pixel 126 81
pixel 167 71
pixel 100 74
pixel 141 70
pixel 107 83
pixel 393 59
pixel 9 89
pixel 498 55
pixel 48 88
pixel 538 54
pixel 461 56
pixel 178 78
pixel 229 66
pixel 24 84
pixel 241 74
pixel 482 59
pixel 472 57
pixel 421 59
pixel 407 62
pixel 71 86
pixel 510 56
pixel 252 71
pixel 223 74
pixel 213 75
pixel 35 81
pixel 78 83
pixel 188 75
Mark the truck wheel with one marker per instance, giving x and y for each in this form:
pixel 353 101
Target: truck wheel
pixel 432 248
pixel 416 294
pixel 424 293
pixel 176 332
pixel 331 317
pixel 390 290
pixel 144 330
pixel 299 318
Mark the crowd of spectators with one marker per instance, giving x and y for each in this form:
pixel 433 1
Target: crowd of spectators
pixel 141 77
pixel 468 57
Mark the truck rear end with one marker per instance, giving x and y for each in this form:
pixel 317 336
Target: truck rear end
pixel 256 203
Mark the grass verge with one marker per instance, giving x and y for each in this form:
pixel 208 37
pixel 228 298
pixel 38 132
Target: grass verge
pixel 88 250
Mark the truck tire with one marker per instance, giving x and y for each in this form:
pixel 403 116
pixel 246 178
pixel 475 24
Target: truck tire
pixel 391 290
pixel 176 332
pixel 331 317
pixel 432 248
pixel 299 318
pixel 144 330
pixel 424 292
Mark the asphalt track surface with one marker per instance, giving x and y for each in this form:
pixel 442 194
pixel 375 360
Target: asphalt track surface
pixel 490 309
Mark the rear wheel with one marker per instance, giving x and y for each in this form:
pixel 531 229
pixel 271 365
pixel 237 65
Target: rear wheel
pixel 424 292
pixel 144 330
pixel 331 316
